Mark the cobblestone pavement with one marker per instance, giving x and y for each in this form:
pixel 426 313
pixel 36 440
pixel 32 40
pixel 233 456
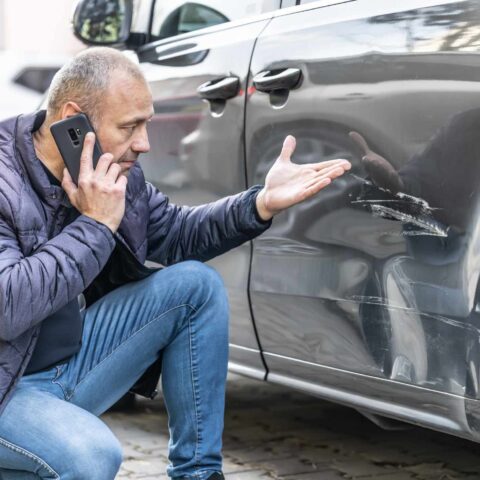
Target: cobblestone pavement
pixel 273 432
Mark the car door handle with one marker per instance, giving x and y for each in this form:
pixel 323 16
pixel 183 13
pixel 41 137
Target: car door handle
pixel 270 80
pixel 220 89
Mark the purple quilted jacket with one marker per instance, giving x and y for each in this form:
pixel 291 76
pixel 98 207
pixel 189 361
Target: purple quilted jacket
pixel 42 267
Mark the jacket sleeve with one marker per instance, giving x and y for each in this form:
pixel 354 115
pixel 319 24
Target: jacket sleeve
pixel 35 286
pixel 176 233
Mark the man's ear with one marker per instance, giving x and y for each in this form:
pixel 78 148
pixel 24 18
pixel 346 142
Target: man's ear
pixel 70 109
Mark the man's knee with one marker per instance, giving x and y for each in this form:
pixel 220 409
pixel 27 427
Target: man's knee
pixel 206 285
pixel 95 456
pixel 200 281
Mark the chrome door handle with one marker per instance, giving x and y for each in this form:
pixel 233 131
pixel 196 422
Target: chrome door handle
pixel 220 89
pixel 270 80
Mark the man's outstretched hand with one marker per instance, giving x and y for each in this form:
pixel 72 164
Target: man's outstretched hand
pixel 287 183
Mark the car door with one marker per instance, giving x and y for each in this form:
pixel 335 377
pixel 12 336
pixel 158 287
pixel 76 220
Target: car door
pixel 197 136
pixel 371 278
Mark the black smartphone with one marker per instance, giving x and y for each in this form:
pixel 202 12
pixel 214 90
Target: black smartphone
pixel 69 135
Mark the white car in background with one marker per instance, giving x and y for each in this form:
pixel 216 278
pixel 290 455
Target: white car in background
pixel 24 79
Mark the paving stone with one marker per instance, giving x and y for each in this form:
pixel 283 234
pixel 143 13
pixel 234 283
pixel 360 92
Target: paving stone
pixel 131 451
pixel 290 466
pixel 385 455
pixel 257 454
pixel 434 471
pixel 468 462
pixel 358 468
pixel 145 466
pixel 230 466
pixel 324 475
pixel 392 476
pixel 250 475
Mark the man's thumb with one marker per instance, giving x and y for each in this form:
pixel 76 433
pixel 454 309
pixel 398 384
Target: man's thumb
pixel 288 147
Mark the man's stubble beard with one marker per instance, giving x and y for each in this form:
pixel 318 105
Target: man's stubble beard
pixel 128 157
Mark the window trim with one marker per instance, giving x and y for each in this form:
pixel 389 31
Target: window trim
pixel 309 6
pixel 206 31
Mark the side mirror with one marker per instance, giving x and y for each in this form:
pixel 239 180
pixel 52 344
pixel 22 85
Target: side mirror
pixel 103 22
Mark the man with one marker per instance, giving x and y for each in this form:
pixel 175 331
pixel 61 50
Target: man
pixel 60 369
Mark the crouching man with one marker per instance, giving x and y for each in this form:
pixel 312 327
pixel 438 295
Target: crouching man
pixel 60 367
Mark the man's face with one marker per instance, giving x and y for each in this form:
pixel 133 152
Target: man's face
pixel 122 121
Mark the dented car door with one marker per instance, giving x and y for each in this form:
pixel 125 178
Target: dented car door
pixel 376 278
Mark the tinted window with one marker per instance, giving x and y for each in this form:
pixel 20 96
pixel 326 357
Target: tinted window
pixel 190 17
pixel 173 17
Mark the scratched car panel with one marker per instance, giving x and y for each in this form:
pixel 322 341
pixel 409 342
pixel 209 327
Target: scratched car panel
pixel 366 294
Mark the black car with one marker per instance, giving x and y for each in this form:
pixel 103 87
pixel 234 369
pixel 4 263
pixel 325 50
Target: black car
pixel 366 295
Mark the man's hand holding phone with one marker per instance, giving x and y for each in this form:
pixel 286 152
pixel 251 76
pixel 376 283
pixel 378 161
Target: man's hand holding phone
pixel 100 193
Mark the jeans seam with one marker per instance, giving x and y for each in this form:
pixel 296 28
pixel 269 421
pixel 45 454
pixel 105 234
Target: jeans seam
pixel 196 395
pixel 69 397
pixel 28 454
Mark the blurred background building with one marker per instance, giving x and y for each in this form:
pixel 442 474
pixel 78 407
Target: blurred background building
pixel 36 38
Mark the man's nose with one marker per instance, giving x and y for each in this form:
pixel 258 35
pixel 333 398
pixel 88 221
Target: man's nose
pixel 140 143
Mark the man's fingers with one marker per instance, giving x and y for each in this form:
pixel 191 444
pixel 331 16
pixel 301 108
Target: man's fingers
pixel 328 163
pixel 67 183
pixel 314 181
pixel 288 147
pixel 315 187
pixel 122 180
pixel 332 172
pixel 86 162
pixel 114 171
pixel 325 176
pixel 103 164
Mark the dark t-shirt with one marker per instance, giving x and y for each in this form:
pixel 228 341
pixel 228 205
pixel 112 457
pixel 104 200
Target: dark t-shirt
pixel 61 333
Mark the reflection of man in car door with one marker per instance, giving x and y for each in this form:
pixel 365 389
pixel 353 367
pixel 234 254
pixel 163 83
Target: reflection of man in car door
pixel 443 178
pixel 446 173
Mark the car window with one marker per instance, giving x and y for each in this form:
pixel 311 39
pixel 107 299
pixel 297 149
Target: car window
pixel 35 78
pixel 174 17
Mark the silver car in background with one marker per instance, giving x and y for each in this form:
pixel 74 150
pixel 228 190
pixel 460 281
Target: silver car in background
pixel 24 79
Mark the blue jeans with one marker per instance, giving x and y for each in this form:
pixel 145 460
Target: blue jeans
pixel 50 428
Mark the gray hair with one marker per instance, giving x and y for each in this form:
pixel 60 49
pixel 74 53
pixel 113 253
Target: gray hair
pixel 85 80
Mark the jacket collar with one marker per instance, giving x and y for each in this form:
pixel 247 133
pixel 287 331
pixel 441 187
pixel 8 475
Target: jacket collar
pixel 53 195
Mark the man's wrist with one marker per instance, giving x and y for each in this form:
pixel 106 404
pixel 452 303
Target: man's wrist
pixel 110 226
pixel 262 211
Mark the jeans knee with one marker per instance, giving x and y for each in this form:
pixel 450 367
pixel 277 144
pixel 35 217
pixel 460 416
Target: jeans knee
pixel 95 458
pixel 204 281
pixel 198 271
